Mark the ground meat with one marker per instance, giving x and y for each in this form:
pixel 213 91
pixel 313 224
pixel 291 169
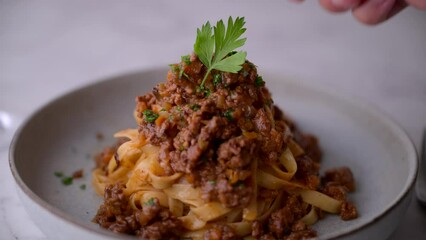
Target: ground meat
pixel 342 176
pixel 299 231
pixel 200 122
pixel 335 191
pixel 220 232
pixel 268 236
pixel 257 229
pixel 281 220
pixel 307 171
pixel 348 211
pixel 213 134
pixel 103 157
pixel 233 195
pixel 151 222
pixel 337 182
pixel 302 235
pixel 309 143
pixel 238 152
pixel 267 193
pixel 78 174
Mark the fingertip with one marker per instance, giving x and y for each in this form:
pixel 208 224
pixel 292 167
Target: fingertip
pixel 373 12
pixel 368 20
pixel 420 4
pixel 339 5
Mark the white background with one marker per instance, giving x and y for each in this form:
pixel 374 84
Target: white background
pixel 48 48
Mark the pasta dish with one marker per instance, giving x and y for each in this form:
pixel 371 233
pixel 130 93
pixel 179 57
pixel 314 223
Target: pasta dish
pixel 214 158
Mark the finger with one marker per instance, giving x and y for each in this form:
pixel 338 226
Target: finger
pixel 373 11
pixel 398 7
pixel 421 4
pixel 339 5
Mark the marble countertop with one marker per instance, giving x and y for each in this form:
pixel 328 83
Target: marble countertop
pixel 48 48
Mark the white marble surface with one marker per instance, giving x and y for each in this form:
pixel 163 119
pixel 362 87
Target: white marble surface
pixel 50 47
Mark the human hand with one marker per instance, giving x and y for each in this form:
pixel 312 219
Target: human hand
pixel 371 11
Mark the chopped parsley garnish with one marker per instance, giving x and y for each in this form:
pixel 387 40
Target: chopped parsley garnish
pixel 67 180
pixel 245 73
pixel 150 202
pixel 259 81
pixel 175 68
pixel 228 114
pixel 213 46
pixel 83 186
pixel 150 116
pixel 195 107
pixel 184 74
pixel 217 78
pixel 59 174
pixel 205 91
pixel 163 110
pixel 239 184
pixel 186 59
pixel 212 182
pixel 171 117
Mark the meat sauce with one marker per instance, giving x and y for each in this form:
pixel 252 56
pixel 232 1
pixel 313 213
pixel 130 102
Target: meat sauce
pixel 212 135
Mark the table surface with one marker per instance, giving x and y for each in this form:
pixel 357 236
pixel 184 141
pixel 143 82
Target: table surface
pixel 48 48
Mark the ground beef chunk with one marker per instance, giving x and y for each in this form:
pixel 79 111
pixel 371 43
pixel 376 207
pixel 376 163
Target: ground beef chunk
pixel 335 191
pixel 115 205
pixel 268 236
pixel 348 211
pixel 299 231
pixel 233 195
pixel 337 182
pixel 309 143
pixel 151 222
pixel 77 174
pixel 257 229
pixel 237 152
pixel 307 171
pixel 281 220
pixel 103 157
pixel 272 141
pixel 220 232
pixel 302 235
pixel 342 176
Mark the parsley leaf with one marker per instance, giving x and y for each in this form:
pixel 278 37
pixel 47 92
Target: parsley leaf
pixel 212 182
pixel 217 78
pixel 174 68
pixel 228 114
pixel 259 81
pixel 150 116
pixel 150 202
pixel 59 174
pixel 186 59
pixel 195 107
pixel 213 49
pixel 205 91
pixel 67 180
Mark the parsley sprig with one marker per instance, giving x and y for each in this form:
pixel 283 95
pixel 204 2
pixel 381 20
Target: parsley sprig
pixel 213 47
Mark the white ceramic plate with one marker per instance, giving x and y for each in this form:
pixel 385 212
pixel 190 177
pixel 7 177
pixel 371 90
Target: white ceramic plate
pixel 62 137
